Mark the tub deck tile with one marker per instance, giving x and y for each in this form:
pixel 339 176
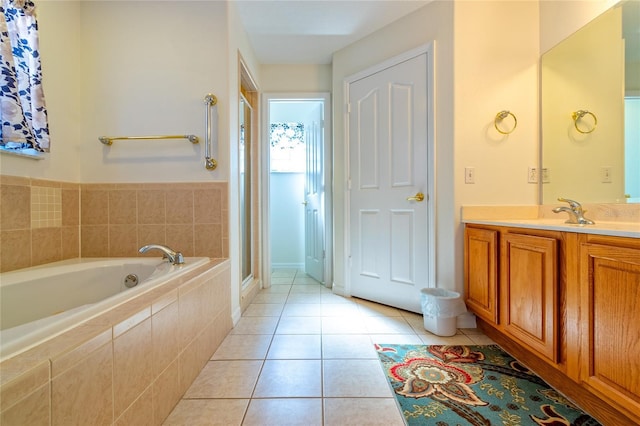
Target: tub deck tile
pixel 86 345
pixel 21 376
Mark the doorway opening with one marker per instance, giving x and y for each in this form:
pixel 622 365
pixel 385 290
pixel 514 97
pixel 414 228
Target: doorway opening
pixel 298 184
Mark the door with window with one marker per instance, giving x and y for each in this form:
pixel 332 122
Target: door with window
pixel 390 232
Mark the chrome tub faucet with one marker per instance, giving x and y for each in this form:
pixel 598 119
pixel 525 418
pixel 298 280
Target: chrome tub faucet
pixel 576 214
pixel 174 257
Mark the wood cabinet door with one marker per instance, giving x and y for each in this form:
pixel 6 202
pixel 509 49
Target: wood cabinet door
pixel 481 272
pixel 529 292
pixel 610 293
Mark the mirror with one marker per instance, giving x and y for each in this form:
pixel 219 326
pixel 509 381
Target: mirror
pixel 590 111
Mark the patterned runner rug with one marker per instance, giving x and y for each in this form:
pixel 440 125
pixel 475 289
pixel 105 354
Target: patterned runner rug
pixel 472 385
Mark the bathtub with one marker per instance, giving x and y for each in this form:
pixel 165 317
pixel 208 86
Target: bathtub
pixel 41 302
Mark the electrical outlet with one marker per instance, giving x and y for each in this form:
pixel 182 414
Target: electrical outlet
pixel 546 175
pixel 532 177
pixel 605 174
pixel 469 175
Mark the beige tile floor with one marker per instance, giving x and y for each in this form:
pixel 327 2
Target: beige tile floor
pixel 301 355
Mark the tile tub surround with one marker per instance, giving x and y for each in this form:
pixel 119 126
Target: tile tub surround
pixel 26 237
pixel 109 220
pixel 117 219
pixel 130 365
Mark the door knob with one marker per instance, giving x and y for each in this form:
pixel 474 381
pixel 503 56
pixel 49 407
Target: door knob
pixel 304 203
pixel 418 197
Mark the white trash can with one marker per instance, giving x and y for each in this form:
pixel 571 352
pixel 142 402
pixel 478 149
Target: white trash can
pixel 440 310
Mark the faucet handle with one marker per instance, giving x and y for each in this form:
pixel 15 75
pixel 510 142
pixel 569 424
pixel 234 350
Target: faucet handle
pixel 574 204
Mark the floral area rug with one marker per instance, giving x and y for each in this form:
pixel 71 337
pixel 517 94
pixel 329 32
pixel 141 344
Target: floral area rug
pixel 472 385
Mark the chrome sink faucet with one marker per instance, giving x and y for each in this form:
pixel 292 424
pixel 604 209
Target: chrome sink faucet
pixel 174 257
pixel 576 214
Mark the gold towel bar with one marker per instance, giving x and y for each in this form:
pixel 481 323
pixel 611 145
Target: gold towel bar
pixel 108 140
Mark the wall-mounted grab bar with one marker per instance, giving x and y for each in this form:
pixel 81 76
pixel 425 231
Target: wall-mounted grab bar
pixel 210 101
pixel 108 140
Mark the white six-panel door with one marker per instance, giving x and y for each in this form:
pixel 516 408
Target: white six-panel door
pixel 389 228
pixel 314 194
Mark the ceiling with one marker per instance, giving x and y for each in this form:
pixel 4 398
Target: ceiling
pixel 309 31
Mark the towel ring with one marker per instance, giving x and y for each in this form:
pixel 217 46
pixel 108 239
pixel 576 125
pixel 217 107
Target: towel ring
pixel 580 114
pixel 501 116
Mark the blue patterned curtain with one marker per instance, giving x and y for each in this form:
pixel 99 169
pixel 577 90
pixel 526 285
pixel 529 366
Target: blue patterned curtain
pixel 23 114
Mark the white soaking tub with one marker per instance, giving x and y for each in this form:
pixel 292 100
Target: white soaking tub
pixel 41 302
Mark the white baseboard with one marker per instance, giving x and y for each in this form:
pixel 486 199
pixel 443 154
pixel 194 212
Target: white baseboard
pixel 339 290
pixel 287 266
pixel 236 315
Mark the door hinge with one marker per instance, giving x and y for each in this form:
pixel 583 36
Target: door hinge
pixel 349 108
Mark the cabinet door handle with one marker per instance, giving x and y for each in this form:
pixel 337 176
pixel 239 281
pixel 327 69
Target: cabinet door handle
pixel 418 197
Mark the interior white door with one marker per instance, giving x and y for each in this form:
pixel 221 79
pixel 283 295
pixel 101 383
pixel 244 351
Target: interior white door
pixel 388 219
pixel 314 193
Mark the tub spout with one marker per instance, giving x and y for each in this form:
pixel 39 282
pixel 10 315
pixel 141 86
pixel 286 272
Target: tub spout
pixel 174 257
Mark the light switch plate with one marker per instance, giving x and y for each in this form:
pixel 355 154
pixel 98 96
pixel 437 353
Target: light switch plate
pixel 469 175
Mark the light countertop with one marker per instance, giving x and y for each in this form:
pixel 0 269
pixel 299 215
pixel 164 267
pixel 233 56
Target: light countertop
pixel 618 229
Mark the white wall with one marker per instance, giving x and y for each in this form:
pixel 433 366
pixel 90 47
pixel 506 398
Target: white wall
pixel 496 62
pixel 560 18
pixel 127 69
pixel 494 72
pixel 147 68
pixel 287 220
pixel 296 78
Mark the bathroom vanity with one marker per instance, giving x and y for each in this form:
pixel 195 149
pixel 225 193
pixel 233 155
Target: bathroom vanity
pixel 565 301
